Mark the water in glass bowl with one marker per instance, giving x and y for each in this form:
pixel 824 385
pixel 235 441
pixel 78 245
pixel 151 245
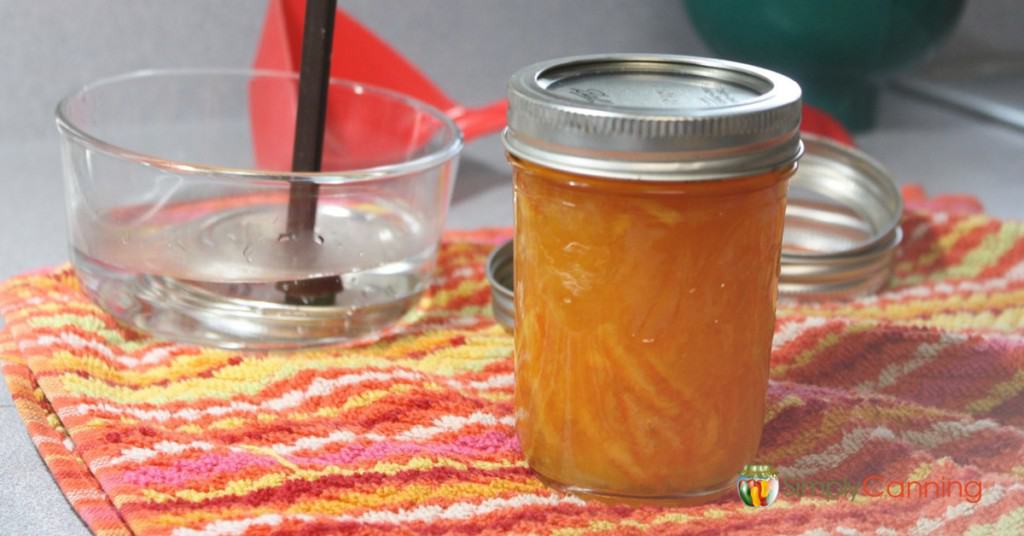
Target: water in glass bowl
pixel 215 272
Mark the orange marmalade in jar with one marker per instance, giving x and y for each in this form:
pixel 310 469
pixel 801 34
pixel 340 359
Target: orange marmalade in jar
pixel 650 193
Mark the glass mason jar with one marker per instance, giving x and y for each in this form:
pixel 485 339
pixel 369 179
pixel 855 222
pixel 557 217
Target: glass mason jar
pixel 650 195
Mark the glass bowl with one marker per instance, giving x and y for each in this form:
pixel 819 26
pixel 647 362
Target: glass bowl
pixel 177 187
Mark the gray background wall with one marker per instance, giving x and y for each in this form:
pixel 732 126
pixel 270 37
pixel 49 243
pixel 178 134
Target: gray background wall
pixel 49 47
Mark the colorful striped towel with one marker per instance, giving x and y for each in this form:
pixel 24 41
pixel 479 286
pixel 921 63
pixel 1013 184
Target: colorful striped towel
pixel 921 385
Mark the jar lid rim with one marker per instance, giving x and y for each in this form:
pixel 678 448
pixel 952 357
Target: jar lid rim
pixel 660 115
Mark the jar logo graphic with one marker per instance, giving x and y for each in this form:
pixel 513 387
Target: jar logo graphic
pixel 758 485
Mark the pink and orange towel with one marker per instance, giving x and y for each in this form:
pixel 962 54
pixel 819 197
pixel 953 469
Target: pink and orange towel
pixel 413 433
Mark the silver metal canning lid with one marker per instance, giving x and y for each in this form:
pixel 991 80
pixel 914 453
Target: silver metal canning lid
pixel 499 275
pixel 849 200
pixel 653 117
pixel 842 223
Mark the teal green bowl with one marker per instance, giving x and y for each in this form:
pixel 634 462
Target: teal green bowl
pixel 837 50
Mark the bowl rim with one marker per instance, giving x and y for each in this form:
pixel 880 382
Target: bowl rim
pixel 450 150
